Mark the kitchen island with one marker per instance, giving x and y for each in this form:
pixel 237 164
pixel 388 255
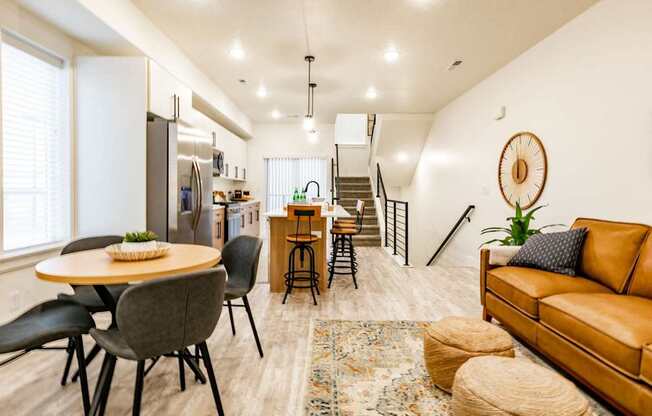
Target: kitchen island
pixel 279 249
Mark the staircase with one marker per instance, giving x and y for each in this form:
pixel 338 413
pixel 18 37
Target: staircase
pixel 350 189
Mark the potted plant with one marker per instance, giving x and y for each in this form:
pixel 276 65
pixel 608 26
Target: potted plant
pixel 139 241
pixel 519 228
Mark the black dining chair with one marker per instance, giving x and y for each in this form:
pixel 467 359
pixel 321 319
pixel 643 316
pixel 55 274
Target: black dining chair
pixel 49 321
pixel 240 257
pixel 86 295
pixel 158 318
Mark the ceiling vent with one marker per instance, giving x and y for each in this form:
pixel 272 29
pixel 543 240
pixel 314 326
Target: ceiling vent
pixel 455 64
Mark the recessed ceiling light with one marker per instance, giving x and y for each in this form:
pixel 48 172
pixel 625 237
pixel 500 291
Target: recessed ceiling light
pixel 371 93
pixel 237 53
pixel 391 55
pixel 276 114
pixel 242 81
pixel 455 64
pixel 402 157
pixel 261 92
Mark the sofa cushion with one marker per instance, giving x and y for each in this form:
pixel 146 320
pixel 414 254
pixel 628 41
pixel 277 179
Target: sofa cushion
pixel 646 364
pixel 553 252
pixel 612 327
pixel 523 287
pixel 641 283
pixel 610 251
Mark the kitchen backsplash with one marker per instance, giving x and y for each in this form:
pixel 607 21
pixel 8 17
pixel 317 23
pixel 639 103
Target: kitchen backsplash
pixel 226 185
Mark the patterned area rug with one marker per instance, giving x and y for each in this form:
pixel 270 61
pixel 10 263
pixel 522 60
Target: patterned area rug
pixel 366 368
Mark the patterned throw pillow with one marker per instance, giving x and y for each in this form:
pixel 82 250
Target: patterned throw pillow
pixel 553 252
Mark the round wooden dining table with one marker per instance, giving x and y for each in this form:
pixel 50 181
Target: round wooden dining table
pixel 95 268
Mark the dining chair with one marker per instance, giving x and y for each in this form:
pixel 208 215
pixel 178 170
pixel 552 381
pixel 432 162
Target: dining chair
pixel 240 257
pixel 86 295
pixel 158 318
pixel 49 321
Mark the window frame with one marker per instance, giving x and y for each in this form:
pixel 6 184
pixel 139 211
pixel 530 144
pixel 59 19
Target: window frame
pixel 25 256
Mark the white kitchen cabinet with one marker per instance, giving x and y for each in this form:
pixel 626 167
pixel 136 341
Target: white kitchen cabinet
pixel 167 96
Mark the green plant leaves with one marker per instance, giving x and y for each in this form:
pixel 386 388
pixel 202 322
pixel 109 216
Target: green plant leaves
pixel 140 237
pixel 519 228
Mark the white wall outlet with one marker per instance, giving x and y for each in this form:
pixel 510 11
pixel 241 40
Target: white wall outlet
pixel 14 301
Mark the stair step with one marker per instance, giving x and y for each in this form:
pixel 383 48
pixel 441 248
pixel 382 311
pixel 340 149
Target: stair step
pixel 353 179
pixel 366 240
pixel 356 194
pixel 345 201
pixel 354 187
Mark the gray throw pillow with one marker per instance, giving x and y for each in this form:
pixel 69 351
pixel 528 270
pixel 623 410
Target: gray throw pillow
pixel 553 252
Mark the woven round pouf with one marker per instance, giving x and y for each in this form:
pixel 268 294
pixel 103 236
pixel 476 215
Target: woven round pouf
pixel 449 343
pixel 499 386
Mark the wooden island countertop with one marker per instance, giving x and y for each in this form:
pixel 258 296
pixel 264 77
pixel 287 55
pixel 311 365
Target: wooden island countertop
pixel 279 248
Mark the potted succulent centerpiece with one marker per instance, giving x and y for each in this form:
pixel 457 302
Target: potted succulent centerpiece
pixel 139 241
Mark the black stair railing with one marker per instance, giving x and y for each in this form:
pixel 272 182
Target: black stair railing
pixel 396 220
pixel 335 175
pixel 466 215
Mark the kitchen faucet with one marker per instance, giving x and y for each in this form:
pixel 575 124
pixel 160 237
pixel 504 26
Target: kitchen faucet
pixel 308 184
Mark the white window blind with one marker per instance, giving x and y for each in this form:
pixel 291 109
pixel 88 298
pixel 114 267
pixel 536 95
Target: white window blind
pixel 35 146
pixel 286 174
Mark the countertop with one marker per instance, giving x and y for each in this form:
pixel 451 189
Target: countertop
pixel 338 212
pixel 244 203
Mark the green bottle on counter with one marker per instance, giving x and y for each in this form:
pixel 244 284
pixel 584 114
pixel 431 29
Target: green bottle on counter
pixel 295 196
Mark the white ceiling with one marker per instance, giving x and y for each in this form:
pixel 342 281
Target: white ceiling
pixel 348 38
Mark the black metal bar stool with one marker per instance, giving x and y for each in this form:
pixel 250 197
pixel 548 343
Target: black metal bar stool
pixel 343 257
pixel 303 244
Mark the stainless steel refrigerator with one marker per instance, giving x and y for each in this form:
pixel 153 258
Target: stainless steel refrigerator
pixel 179 182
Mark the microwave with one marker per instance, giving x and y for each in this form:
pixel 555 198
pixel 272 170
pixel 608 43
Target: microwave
pixel 218 163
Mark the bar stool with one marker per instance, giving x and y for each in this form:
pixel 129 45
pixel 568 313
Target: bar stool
pixel 343 256
pixel 303 244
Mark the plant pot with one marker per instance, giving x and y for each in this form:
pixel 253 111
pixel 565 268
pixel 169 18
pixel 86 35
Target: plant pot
pixel 140 246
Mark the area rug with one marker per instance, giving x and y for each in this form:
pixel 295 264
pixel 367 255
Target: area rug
pixel 366 368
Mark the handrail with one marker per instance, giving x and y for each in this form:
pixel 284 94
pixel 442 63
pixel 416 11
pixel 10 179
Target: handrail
pixel 335 175
pixel 464 216
pixel 399 211
pixel 373 127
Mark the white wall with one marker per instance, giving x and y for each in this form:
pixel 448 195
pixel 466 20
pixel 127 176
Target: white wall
pixel 283 140
pixel 19 287
pixel 586 91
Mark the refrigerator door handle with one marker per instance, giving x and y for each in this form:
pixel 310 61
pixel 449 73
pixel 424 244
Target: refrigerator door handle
pixel 200 198
pixel 195 202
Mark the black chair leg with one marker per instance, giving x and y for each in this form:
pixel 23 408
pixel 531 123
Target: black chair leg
pixel 193 367
pixel 211 376
pixel 289 282
pixel 353 266
pixel 99 386
pixel 182 372
pixel 138 390
pixel 228 303
pixel 197 360
pixel 333 261
pixel 70 350
pixel 312 267
pixel 91 355
pixel 107 386
pixel 83 381
pixel 253 325
pixel 313 277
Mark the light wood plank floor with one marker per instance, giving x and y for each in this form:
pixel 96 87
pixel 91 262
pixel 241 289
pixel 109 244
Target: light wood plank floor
pixel 250 385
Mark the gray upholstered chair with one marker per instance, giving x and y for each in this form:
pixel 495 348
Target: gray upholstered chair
pixel 49 321
pixel 240 257
pixel 160 317
pixel 86 295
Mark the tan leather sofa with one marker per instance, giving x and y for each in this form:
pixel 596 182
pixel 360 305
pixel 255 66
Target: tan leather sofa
pixel 596 326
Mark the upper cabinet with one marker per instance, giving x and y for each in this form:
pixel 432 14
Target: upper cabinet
pixel 167 96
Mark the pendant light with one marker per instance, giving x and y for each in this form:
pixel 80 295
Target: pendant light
pixel 309 118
